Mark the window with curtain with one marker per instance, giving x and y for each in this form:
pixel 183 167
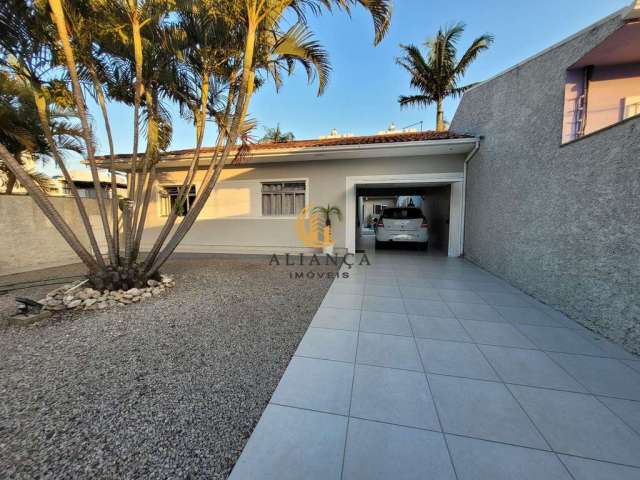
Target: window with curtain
pixel 282 199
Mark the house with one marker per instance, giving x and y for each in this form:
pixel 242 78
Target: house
pixel 83 181
pixel 254 206
pixel 553 193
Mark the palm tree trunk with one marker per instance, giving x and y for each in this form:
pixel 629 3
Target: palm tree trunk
pixel 114 181
pixel 59 20
pixel 11 182
pixel 439 117
pixel 41 107
pixel 245 92
pixel 48 209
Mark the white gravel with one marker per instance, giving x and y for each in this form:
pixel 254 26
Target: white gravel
pixel 167 388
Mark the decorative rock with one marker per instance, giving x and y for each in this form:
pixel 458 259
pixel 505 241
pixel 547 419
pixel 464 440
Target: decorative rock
pixel 74 303
pixel 153 283
pixel 101 305
pixel 89 301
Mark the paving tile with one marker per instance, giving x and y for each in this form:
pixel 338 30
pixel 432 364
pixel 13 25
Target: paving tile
pixel 346 288
pixel 415 282
pixel 492 333
pixel 383 304
pixel 490 286
pixel 388 351
pixel 290 444
pixel 378 451
pixel 421 293
pixel 559 340
pixel 526 315
pixel 610 349
pixel 529 367
pixel 462 296
pixel 585 469
pixel 578 424
pixel 453 285
pixel 438 328
pixel 382 291
pixel 381 280
pixel 602 376
pixel 339 300
pixel 338 318
pixel 393 396
pixel 484 410
pixel 454 358
pixel 321 385
pixel 505 299
pixel 627 410
pixel 384 322
pixel 429 308
pixel 635 364
pixel 474 311
pixel 481 460
pixel 329 344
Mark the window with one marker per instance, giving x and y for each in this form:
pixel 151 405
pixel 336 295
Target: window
pixel 169 197
pixel 281 199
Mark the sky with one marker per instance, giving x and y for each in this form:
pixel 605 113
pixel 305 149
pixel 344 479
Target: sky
pixel 363 90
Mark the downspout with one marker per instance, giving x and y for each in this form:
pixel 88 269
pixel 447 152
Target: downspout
pixel 472 154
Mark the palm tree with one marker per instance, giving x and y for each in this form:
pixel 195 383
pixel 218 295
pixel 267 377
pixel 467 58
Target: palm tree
pixel 327 212
pixel 209 56
pixel 275 135
pixel 437 76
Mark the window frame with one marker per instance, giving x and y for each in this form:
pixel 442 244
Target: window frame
pixel 164 198
pixel 283 181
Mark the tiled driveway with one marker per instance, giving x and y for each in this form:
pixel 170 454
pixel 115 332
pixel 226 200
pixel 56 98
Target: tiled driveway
pixel 426 367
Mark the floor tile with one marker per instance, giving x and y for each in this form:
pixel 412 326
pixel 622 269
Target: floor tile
pixel 428 308
pixel 393 396
pixel 481 460
pixel 382 291
pixel 559 340
pixel 627 410
pixel 462 296
pixel 383 304
pixel 346 288
pixel 471 311
pixel 339 300
pixel 420 293
pixel 388 351
pixel 454 358
pixel 329 344
pixel 290 444
pixel 610 349
pixel 453 285
pixel 321 385
pixel 584 469
pixel 526 315
pixel 438 328
pixel 505 299
pixel 483 410
pixel 338 318
pixel 602 376
pixel 492 333
pixel 529 367
pixel 381 280
pixel 578 424
pixel 384 322
pixel 378 451
pixel 635 364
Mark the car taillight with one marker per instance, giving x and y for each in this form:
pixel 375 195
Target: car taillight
pixel 380 224
pixel 424 224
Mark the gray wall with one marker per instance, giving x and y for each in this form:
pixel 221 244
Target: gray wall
pixel 562 223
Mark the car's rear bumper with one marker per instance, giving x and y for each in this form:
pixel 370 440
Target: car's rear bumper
pixel 421 236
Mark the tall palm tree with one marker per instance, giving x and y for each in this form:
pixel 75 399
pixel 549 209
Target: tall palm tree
pixel 276 135
pixel 437 76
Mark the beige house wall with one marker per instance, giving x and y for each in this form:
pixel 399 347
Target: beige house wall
pixel 28 241
pixel 232 222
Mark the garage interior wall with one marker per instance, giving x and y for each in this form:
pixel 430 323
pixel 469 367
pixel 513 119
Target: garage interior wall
pixel 435 207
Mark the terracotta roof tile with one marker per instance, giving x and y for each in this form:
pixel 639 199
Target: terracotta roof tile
pixel 333 142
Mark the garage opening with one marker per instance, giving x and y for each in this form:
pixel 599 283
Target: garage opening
pixel 403 217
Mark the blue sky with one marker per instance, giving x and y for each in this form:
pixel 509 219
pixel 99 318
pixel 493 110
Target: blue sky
pixel 361 97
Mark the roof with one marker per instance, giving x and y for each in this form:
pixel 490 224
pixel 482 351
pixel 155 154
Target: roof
pixel 387 138
pixel 85 176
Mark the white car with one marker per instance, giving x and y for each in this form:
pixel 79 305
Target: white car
pixel 402 225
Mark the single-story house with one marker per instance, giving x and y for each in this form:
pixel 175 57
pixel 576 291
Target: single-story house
pixel 254 206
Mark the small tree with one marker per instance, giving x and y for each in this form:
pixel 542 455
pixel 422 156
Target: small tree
pixel 436 77
pixel 275 135
pixel 208 56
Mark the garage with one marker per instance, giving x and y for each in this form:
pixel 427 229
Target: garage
pixel 433 201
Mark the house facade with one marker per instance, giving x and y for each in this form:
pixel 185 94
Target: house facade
pixel 553 193
pixel 255 204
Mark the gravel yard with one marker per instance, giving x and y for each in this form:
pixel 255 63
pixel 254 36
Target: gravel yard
pixel 168 388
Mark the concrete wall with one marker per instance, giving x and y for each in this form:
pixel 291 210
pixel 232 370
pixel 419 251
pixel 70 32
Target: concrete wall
pixel 232 222
pixel 436 205
pixel 28 241
pixel 560 222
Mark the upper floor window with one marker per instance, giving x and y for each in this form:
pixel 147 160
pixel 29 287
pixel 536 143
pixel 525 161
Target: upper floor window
pixel 603 87
pixel 283 198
